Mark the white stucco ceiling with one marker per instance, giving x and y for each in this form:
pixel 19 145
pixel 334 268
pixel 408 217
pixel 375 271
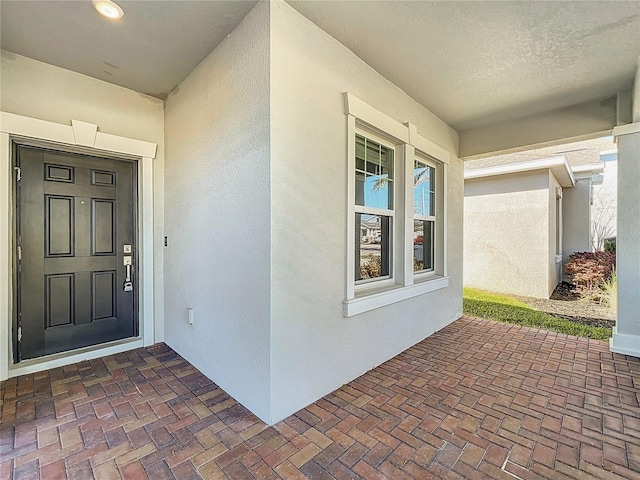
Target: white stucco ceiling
pixel 474 63
pixel 150 50
pixel 471 63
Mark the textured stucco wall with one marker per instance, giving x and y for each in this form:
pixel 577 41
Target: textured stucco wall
pixel 591 119
pixel 217 214
pixel 628 239
pixel 555 265
pixel 506 233
pixel 314 348
pixel 576 218
pixel 38 90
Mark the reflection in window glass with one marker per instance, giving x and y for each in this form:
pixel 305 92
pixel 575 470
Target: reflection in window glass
pixel 422 245
pixel 374 174
pixel 424 189
pixel 372 246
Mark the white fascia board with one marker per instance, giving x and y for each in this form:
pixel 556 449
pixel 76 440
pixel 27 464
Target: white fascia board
pixel 591 168
pixel 585 171
pixel 558 165
pixel 625 130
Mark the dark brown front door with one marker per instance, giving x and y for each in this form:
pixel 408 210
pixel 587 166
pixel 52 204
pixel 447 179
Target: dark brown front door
pixel 75 219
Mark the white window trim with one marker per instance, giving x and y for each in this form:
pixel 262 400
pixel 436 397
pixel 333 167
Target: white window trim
pixel 80 136
pixel 429 218
pixel 390 143
pixel 404 284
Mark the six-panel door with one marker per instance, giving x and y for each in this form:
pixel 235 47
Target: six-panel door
pixel 75 214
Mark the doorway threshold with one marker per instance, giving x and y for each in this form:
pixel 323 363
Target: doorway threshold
pixel 62 359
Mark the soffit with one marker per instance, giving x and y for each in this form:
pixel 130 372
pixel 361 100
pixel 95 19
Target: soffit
pixel 150 50
pixel 478 63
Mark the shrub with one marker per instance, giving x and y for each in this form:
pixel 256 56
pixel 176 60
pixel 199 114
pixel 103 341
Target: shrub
pixel 371 266
pixel 589 270
pixel 610 292
pixel 610 245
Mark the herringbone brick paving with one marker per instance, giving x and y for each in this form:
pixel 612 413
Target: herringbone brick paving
pixel 476 400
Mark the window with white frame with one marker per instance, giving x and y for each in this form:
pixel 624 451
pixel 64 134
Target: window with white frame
pixel 424 215
pixel 397 211
pixel 374 209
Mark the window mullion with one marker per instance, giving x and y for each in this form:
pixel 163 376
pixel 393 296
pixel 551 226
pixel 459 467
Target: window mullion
pixel 407 243
pixel 428 218
pixel 374 211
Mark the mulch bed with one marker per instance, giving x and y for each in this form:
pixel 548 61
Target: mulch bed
pixel 571 306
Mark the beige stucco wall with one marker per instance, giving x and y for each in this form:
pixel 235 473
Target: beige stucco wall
pixel 218 214
pixel 38 90
pixel 506 233
pixel 315 349
pixel 576 218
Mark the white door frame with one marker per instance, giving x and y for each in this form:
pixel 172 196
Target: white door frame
pixel 84 137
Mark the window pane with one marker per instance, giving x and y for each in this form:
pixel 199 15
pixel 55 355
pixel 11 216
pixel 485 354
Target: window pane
pixel 422 245
pixel 424 189
pixel 372 155
pixel 376 162
pixel 372 246
pixel 360 178
pixel 360 147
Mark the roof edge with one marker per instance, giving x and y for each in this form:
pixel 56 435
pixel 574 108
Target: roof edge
pixel 559 165
pixel 588 169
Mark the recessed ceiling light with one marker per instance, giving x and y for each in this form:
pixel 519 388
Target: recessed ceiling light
pixel 108 9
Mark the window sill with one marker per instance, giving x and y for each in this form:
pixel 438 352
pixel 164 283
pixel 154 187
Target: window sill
pixel 376 299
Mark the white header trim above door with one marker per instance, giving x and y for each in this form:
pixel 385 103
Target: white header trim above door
pixel 87 136
pixel 84 133
pixel 78 133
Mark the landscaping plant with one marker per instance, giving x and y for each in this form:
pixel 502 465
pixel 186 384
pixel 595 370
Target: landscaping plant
pixel 371 266
pixel 610 245
pixel 589 270
pixel 506 309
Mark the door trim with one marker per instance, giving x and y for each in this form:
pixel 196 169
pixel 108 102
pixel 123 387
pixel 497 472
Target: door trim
pixel 80 137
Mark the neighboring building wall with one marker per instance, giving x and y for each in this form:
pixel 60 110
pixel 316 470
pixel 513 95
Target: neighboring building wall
pixel 314 348
pixel 556 234
pixel 38 90
pixel 218 214
pixel 506 233
pixel 604 207
pixel 576 218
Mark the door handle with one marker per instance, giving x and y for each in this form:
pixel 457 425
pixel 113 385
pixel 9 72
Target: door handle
pixel 128 284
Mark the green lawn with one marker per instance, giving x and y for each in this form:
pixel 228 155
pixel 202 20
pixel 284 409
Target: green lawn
pixel 502 308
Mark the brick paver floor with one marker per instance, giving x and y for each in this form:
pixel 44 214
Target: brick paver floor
pixel 476 400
